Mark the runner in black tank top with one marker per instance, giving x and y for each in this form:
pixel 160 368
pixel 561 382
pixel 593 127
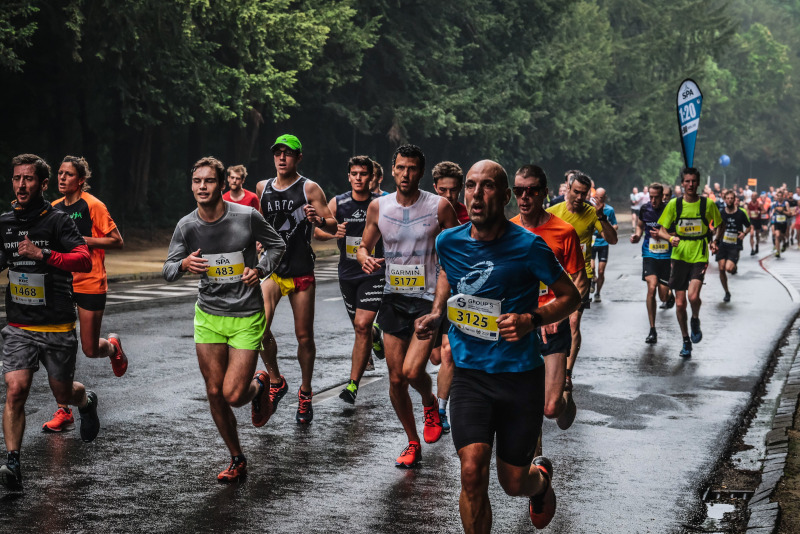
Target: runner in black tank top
pixel 292 204
pixel 361 292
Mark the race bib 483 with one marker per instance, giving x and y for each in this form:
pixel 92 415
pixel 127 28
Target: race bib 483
pixel 225 268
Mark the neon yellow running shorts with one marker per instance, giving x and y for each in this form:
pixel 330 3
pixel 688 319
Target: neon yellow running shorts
pixel 238 332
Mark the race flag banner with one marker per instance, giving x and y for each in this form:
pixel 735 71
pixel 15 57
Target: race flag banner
pixel 689 102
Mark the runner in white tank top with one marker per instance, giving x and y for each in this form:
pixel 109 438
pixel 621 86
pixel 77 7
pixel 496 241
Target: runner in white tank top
pixel 408 221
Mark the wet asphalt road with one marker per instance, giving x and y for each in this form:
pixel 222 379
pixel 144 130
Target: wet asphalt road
pixel 649 428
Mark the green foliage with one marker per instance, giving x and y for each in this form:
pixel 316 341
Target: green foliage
pixel 16 31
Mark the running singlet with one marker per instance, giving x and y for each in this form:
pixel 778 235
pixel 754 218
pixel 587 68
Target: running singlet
pixel 563 241
pixel 93 220
pixel 653 247
pixel 487 279
pixel 249 199
pixel 354 213
pixel 409 235
pixel 765 210
pixel 609 212
pixel 735 223
pixel 753 210
pixel 38 293
pixel 229 245
pixel 778 217
pixel 461 213
pixel 283 209
pixel 585 223
pixel 690 225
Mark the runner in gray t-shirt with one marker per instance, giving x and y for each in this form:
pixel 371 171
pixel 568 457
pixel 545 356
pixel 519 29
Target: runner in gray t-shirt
pixel 218 242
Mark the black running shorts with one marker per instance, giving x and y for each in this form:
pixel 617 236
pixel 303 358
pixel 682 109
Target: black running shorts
pixel 363 293
pixel 683 272
pixel 727 253
pixel 600 254
pixel 397 314
pixel 658 268
pixel 558 343
pixel 89 301
pixel 508 406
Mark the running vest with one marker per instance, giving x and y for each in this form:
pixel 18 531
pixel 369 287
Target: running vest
pixel 687 228
pixel 38 294
pixel 283 209
pixel 409 244
pixel 777 217
pixel 659 249
pixel 734 224
pixel 354 213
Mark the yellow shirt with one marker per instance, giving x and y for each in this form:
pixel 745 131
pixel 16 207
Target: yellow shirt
pixel 585 223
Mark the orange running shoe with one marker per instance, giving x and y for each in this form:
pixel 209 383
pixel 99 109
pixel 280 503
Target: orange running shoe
pixel 542 507
pixel 261 406
pixel 119 362
pixel 62 420
pixel 276 393
pixel 433 424
pixel 234 472
pixel 410 457
pixel 305 408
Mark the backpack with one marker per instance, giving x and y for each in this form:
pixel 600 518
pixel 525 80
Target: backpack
pixel 679 210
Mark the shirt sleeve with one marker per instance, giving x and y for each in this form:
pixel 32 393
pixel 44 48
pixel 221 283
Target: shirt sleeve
pixel 178 250
pixel 612 216
pixel 273 244
pixel 713 214
pixel 69 237
pixel 573 254
pixel 101 219
pixel 542 263
pixel 595 222
pixel 668 215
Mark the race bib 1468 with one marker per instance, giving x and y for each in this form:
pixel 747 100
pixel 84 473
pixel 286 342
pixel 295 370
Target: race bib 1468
pixel 26 288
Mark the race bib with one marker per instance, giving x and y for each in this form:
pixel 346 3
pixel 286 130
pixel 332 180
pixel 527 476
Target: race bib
pixel 765 216
pixel 731 238
pixel 225 268
pixel 406 279
pixel 475 316
pixel 351 244
pixel 26 288
pixel 658 247
pixel 543 289
pixel 753 214
pixel 690 227
pixel 780 218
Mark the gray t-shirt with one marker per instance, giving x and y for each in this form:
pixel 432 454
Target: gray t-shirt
pixel 229 245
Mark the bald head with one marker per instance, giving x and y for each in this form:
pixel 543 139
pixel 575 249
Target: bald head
pixel 486 193
pixel 487 167
pixel 600 193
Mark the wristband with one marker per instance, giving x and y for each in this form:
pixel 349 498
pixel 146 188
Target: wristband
pixel 536 319
pixel 602 218
pixel 321 223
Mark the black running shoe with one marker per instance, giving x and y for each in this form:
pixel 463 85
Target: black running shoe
pixel 652 337
pixel 697 334
pixel 727 297
pixel 349 392
pixel 670 301
pixel 377 342
pixel 542 507
pixel 90 423
pixel 305 408
pixel 11 474
pixel 686 351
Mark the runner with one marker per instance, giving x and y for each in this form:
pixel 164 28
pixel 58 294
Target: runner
pixel 361 292
pixel 562 188
pixel 88 289
pixel 655 257
pixel 737 225
pixel 754 208
pixel 292 204
pixel 41 248
pixel 408 221
pixel 448 181
pixel 685 224
pixel 237 174
pixel 218 242
pixel 530 188
pixel 494 270
pixel 377 180
pixel 780 213
pixel 600 245
pixel 766 216
pixel 585 219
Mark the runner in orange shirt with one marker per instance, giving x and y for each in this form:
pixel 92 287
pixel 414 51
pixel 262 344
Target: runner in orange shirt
pixel 88 289
pixel 530 189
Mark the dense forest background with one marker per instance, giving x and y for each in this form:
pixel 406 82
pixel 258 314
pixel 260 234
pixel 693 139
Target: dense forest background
pixel 143 88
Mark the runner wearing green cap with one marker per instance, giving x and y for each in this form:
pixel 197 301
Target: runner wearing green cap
pixel 292 203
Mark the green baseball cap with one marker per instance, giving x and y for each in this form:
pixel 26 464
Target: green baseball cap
pixel 289 141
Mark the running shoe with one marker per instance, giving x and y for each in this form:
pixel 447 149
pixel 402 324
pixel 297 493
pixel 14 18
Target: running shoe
pixel 349 392
pixel 670 301
pixel 377 342
pixel 11 474
pixel 235 471
pixel 276 393
pixel 727 297
pixel 753 252
pixel 119 362
pixel 261 408
pixel 90 423
pixel 597 297
pixel 686 351
pixel 370 364
pixel 62 420
pixel 567 417
pixel 652 337
pixel 542 507
pixel 432 430
pixel 445 422
pixel 697 334
pixel 410 457
pixel 305 409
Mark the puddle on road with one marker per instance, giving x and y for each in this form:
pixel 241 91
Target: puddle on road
pixel 715 511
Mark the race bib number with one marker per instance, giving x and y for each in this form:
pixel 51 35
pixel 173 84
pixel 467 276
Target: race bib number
pixel 475 316
pixel 26 288
pixel 731 238
pixel 543 289
pixel 225 268
pixel 690 227
pixel 658 246
pixel 406 279
pixel 780 218
pixel 753 214
pixel 765 216
pixel 351 244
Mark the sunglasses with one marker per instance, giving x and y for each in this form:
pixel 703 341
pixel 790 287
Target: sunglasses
pixel 531 190
pixel 285 151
